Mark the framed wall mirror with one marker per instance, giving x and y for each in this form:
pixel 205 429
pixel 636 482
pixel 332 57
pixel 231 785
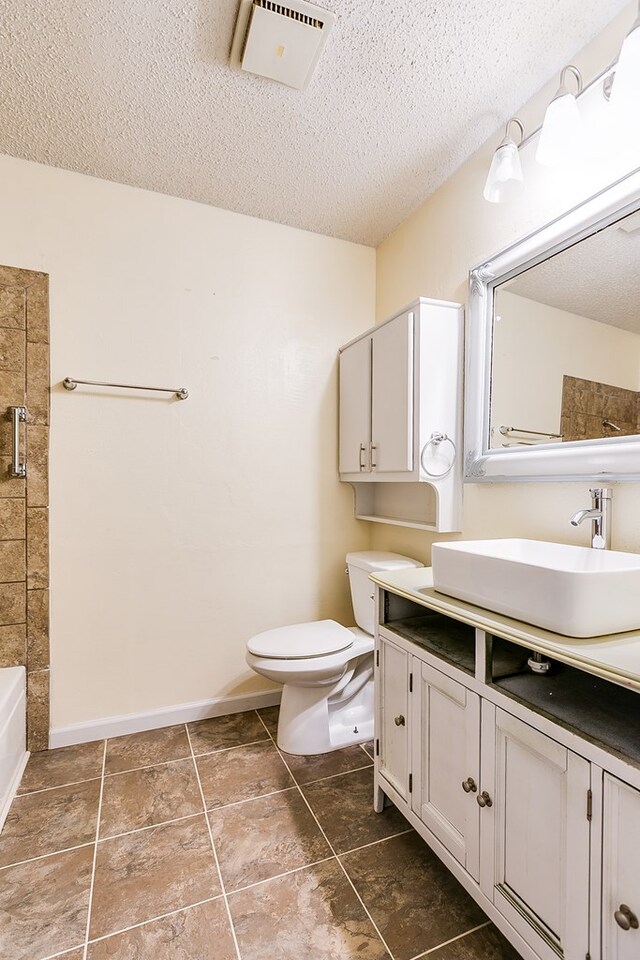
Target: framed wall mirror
pixel 553 349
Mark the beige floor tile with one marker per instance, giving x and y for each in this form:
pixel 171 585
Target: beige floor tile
pixel 485 944
pixel 218 733
pixel 199 933
pixel 307 915
pixel 242 773
pixel 415 901
pixel 150 796
pixel 56 768
pixel 344 807
pixel 43 905
pixel 264 837
pixel 146 874
pixel 307 769
pixel 42 823
pixel 147 748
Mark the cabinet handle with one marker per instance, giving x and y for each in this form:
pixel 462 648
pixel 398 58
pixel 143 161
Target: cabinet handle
pixel 18 416
pixel 484 800
pixel 372 449
pixel 626 918
pixel 469 785
pixel 399 721
pixel 363 449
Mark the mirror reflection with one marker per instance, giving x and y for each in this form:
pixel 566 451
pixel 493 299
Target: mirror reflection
pixel 566 344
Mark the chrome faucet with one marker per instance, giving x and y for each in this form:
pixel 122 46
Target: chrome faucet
pixel 600 515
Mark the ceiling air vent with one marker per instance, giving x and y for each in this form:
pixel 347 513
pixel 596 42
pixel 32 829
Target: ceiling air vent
pixel 280 41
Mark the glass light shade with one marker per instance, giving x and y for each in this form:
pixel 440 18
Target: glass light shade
pixel 562 131
pixel 505 180
pixel 625 92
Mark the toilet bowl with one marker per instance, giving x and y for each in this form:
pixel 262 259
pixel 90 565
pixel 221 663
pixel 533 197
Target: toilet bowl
pixel 326 669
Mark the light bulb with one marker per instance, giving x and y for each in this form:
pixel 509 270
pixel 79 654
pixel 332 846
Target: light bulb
pixel 625 91
pixel 561 137
pixel 505 180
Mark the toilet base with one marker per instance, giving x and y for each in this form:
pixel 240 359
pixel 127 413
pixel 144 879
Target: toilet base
pixel 311 722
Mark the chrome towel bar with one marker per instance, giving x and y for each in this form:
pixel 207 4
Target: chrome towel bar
pixel 505 431
pixel 70 383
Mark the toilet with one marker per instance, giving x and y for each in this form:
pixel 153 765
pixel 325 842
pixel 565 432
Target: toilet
pixel 327 669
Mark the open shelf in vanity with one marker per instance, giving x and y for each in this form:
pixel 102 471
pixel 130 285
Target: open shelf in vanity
pixel 526 785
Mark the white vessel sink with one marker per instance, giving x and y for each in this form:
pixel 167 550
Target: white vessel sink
pixel 574 591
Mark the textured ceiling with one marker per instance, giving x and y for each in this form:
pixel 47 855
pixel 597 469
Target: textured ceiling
pixel 140 91
pixel 598 278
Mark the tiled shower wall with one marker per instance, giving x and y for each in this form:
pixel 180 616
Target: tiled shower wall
pixel 24 505
pixel 586 403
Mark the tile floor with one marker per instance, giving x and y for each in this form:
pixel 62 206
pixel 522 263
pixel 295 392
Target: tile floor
pixel 205 842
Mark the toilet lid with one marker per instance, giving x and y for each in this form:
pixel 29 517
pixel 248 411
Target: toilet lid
pixel 314 639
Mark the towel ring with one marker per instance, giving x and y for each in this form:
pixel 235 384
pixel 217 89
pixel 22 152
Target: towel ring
pixel 436 439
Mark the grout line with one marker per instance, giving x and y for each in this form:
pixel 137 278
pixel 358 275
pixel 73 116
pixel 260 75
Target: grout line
pixel 149 826
pixel 236 746
pixel 373 843
pixel 95 855
pixel 332 776
pixel 446 943
pixel 213 847
pixel 162 916
pixel 146 766
pixel 330 845
pixel 43 856
pixel 57 786
pixel 260 796
pixel 65 953
pixel 278 876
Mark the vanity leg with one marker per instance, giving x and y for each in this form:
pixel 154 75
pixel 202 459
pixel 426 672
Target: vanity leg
pixel 378 797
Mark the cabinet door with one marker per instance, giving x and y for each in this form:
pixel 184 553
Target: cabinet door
pixel 392 409
pixel 621 871
pixel 535 835
pixel 392 729
pixel 355 407
pixel 446 754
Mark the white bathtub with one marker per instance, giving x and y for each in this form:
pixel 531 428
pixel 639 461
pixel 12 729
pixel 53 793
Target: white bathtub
pixel 13 734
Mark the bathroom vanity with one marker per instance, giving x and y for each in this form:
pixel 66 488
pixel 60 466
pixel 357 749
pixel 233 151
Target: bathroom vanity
pixel 526 785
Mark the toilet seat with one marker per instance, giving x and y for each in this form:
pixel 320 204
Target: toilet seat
pixel 319 638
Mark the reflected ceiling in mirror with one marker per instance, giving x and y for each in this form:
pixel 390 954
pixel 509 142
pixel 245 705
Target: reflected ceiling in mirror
pixel 565 363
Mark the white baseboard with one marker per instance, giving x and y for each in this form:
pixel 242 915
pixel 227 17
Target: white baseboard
pixel 107 727
pixel 13 788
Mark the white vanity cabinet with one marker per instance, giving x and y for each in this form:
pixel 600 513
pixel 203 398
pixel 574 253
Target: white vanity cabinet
pixel 400 383
pixel 621 871
pixel 526 786
pixel 446 762
pixel 535 835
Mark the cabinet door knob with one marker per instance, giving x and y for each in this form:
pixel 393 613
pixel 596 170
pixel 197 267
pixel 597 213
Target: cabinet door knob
pixel 484 800
pixel 626 918
pixel 469 785
pixel 399 721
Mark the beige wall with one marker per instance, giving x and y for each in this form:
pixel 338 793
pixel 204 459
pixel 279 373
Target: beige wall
pixel 430 254
pixel 179 529
pixel 535 345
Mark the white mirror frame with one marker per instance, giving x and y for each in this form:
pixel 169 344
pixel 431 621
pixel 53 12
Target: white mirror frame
pixel 604 459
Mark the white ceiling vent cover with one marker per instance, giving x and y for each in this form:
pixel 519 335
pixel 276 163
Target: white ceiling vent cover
pixel 280 41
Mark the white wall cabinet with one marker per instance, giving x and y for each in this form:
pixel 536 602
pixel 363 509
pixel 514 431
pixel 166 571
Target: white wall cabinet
pixel 401 383
pixel 524 812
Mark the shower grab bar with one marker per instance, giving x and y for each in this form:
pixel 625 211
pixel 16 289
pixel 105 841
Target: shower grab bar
pixel 18 468
pixel 505 431
pixel 70 383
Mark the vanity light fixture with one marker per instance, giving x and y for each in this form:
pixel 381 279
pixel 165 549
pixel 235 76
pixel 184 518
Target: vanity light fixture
pixel 561 134
pixel 625 89
pixel 505 179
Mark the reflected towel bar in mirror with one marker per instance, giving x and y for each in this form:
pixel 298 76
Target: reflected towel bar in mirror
pixel 507 431
pixel 70 383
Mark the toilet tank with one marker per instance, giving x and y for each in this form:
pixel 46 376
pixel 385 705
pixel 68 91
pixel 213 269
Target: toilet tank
pixel 360 565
